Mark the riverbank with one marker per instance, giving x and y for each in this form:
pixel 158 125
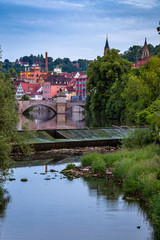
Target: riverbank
pixel 139 171
pixel 61 152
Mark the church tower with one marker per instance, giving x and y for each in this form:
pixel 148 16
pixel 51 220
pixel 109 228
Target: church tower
pixel 145 51
pixel 106 48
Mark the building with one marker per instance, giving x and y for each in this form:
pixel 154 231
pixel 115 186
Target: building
pixel 145 55
pixel 31 76
pixel 106 48
pixel 53 84
pixel 33 90
pixel 58 70
pixel 70 92
pixel 81 86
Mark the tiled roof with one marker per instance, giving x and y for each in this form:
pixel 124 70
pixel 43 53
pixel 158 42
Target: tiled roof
pixel 30 88
pixel 57 80
pixel 70 89
pixel 45 75
pixel 72 83
pixel 17 82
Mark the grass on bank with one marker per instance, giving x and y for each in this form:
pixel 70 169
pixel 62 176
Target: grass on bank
pixel 139 170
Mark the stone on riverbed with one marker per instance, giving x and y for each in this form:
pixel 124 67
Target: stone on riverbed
pixel 24 179
pixel 80 171
pixel 12 179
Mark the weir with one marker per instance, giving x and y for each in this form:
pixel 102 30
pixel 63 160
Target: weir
pixel 72 138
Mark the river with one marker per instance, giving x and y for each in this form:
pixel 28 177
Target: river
pixel 61 208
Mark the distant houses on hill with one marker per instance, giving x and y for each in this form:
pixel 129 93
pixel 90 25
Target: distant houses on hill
pixel 43 85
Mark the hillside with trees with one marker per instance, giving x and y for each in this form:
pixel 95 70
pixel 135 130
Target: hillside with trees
pixel 134 53
pixel 66 64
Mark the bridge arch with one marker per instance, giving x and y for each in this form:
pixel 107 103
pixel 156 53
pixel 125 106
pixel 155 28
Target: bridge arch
pixel 58 107
pixel 24 105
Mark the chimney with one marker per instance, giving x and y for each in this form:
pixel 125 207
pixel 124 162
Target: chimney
pixel 46 67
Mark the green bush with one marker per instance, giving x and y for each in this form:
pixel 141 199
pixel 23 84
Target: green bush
pixel 98 165
pixel 88 159
pixel 110 158
pixel 138 138
pixel 70 166
pixel 149 185
pixel 121 168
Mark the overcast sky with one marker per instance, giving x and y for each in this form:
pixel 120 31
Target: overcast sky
pixel 75 28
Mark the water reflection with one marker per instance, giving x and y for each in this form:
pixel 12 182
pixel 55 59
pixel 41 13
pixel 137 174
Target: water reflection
pixel 41 117
pixel 4 200
pixel 80 209
pixel 41 113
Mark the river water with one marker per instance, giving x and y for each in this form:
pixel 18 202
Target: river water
pixel 41 117
pixel 61 208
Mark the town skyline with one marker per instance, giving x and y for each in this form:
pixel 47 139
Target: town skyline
pixel 75 29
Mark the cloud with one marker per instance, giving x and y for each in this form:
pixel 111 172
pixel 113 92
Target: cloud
pixel 50 4
pixel 147 4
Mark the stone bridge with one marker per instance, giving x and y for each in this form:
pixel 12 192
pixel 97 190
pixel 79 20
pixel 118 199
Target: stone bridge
pixel 60 106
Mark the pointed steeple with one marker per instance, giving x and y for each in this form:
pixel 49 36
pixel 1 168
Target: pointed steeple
pixel 145 51
pixel 106 48
pixel 145 43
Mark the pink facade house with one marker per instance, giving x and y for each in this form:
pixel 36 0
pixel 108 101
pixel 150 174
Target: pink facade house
pixel 53 84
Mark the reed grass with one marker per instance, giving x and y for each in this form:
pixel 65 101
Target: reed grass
pixel 139 170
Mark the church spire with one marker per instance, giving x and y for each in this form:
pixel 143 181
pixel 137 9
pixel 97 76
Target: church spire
pixel 145 51
pixel 106 48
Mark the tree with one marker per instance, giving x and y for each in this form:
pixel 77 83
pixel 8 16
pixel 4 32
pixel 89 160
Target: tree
pixel 133 53
pixel 158 28
pixel 106 79
pixel 12 73
pixel 8 121
pixel 142 91
pixel 25 98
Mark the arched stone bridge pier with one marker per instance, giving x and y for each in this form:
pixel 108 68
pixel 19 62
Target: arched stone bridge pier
pixel 60 105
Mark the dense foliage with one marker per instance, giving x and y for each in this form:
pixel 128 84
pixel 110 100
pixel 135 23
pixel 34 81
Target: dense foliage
pixel 115 90
pixel 8 121
pixel 107 77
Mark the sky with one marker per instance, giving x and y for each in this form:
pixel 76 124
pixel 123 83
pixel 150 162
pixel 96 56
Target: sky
pixel 75 28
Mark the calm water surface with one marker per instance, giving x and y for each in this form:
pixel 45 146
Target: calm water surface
pixel 60 208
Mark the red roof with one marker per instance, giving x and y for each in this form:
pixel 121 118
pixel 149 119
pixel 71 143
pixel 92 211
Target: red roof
pixel 30 88
pixel 45 76
pixel 72 83
pixel 70 89
pixel 17 82
pixel 141 62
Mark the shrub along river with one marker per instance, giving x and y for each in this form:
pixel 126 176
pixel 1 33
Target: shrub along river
pixel 50 206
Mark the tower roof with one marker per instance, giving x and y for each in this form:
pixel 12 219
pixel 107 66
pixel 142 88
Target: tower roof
pixel 145 51
pixel 107 44
pixel 145 43
pixel 106 48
